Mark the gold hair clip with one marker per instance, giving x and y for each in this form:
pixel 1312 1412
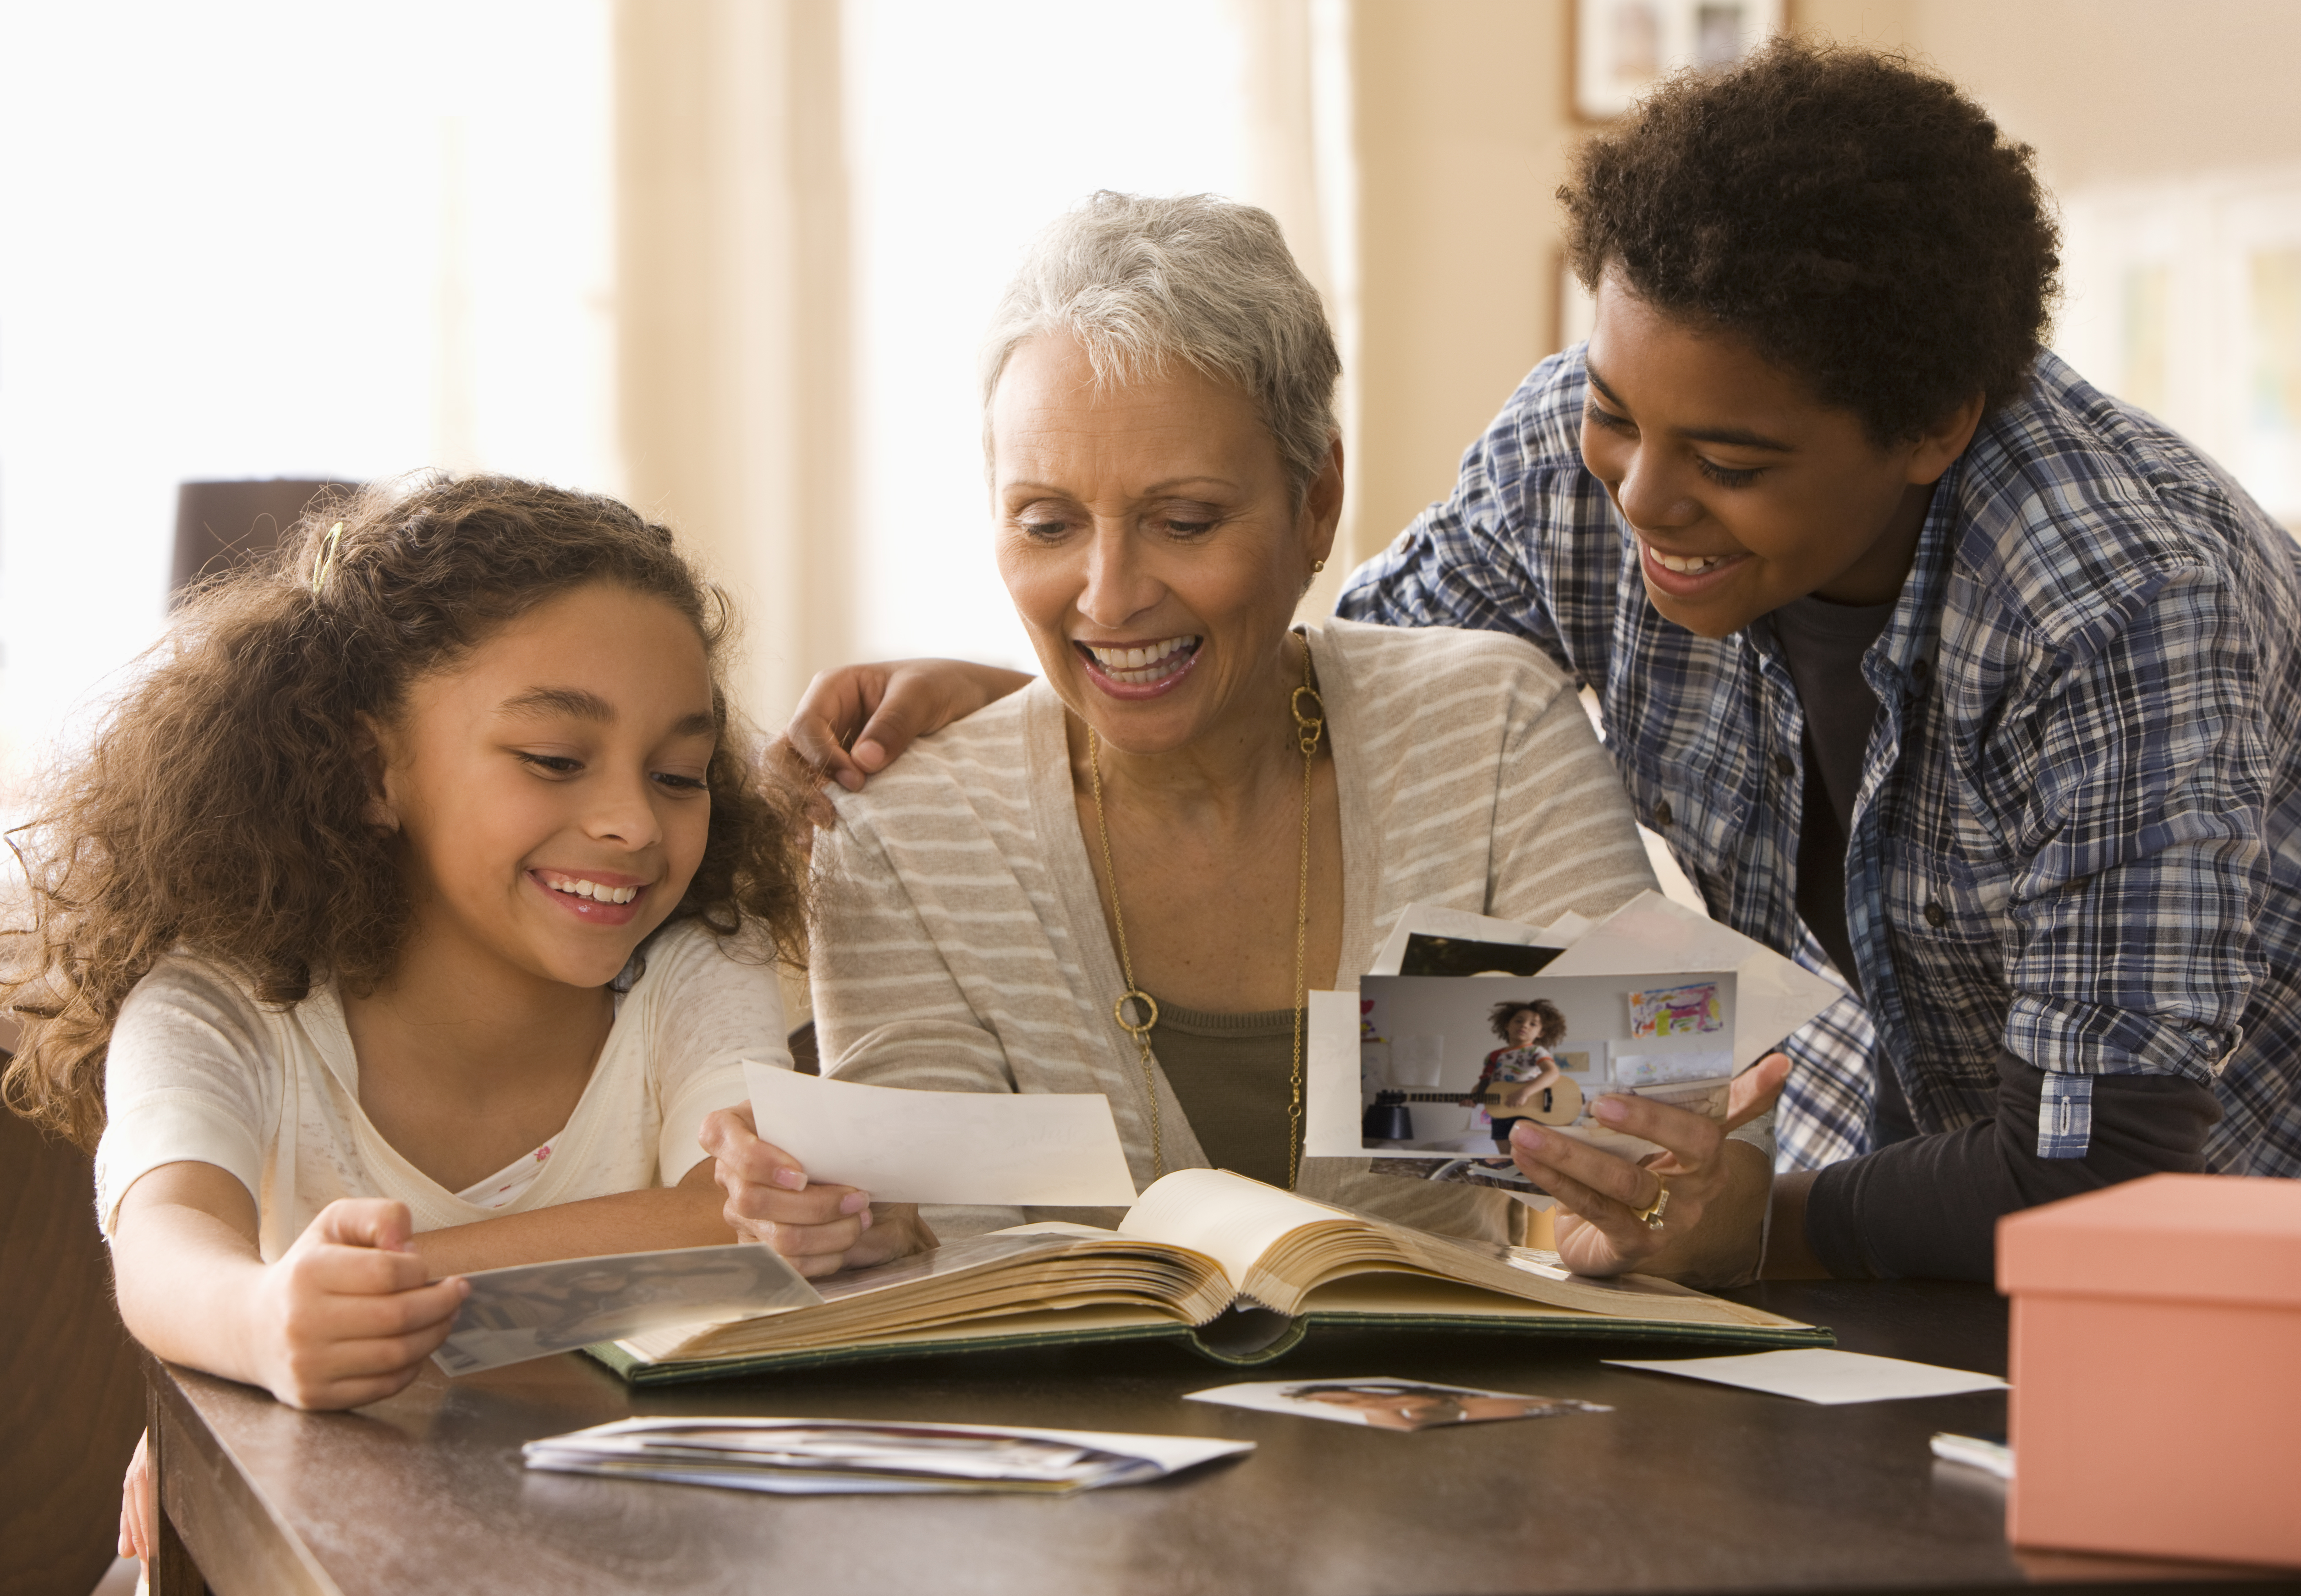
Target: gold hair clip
pixel 327 559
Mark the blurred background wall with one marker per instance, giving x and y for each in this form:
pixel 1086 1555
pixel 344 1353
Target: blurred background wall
pixel 730 258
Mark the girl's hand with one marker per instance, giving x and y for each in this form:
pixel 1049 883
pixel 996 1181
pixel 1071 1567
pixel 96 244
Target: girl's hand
pixel 346 1316
pixel 820 1229
pixel 1714 1220
pixel 139 1507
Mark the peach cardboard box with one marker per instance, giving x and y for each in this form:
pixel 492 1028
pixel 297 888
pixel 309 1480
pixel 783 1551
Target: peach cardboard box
pixel 2156 1369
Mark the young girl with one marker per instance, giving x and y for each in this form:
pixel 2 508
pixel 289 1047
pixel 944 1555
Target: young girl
pixel 407 918
pixel 1523 1064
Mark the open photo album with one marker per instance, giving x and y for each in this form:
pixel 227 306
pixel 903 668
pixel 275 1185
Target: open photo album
pixel 1232 1269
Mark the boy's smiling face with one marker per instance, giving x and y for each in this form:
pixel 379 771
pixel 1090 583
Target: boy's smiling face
pixel 550 786
pixel 1743 490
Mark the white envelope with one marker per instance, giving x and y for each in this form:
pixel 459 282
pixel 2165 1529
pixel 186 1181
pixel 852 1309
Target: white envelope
pixel 1822 1374
pixel 1042 1149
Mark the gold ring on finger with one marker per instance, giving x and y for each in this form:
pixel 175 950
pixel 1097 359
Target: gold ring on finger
pixel 1651 1214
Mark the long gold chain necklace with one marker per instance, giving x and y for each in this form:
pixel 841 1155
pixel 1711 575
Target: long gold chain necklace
pixel 1309 727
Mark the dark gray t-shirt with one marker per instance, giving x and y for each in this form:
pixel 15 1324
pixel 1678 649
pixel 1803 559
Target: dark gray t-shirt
pixel 1823 644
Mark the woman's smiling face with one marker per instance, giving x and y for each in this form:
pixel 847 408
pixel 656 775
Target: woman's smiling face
pixel 1148 534
pixel 1743 490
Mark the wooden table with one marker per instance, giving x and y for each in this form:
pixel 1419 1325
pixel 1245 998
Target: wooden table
pixel 1685 1486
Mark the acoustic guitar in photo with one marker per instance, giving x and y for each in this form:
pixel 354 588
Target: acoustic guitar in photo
pixel 1560 1103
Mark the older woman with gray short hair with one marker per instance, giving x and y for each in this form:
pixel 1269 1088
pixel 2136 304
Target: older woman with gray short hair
pixel 1125 877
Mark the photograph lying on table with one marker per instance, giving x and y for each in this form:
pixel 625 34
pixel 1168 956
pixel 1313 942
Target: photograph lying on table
pixel 1381 1403
pixel 832 1457
pixel 1463 1060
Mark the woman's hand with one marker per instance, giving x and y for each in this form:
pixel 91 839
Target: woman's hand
pixel 1713 1224
pixel 820 1229
pixel 855 721
pixel 347 1316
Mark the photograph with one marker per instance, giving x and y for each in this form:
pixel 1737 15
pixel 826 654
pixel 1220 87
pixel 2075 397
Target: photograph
pixel 1381 1403
pixel 1448 1066
pixel 530 1310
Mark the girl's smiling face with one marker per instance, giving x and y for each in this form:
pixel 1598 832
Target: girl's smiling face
pixel 549 787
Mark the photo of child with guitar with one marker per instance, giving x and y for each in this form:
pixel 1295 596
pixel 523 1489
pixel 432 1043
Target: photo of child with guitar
pixel 1522 1072
pixel 1430 1040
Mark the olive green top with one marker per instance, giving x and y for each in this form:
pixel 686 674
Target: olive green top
pixel 1234 1075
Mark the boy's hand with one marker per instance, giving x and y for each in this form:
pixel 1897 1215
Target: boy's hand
pixel 854 721
pixel 820 1229
pixel 346 1316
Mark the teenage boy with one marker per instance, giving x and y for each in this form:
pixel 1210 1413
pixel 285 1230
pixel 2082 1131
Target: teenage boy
pixel 1927 659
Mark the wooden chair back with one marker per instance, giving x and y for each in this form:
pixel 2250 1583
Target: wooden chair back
pixel 71 1392
pixel 222 525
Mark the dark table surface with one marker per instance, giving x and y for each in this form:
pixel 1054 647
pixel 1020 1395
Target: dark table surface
pixel 1684 1486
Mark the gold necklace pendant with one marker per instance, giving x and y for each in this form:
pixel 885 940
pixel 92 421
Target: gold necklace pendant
pixel 1147 1006
pixel 1309 727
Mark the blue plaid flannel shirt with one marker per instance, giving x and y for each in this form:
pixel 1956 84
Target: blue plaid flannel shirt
pixel 2079 831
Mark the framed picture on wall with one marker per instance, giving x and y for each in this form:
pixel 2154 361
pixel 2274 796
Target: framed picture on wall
pixel 1621 48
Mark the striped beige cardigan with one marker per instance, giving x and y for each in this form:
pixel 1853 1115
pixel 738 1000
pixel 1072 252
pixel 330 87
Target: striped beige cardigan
pixel 960 944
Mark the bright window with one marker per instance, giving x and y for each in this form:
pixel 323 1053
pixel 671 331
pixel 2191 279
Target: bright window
pixel 280 240
pixel 970 127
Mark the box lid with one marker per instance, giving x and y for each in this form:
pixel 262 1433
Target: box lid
pixel 2214 1238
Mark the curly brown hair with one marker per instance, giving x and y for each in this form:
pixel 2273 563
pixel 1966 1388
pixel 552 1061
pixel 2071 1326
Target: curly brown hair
pixel 1550 1021
pixel 1858 220
pixel 220 809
